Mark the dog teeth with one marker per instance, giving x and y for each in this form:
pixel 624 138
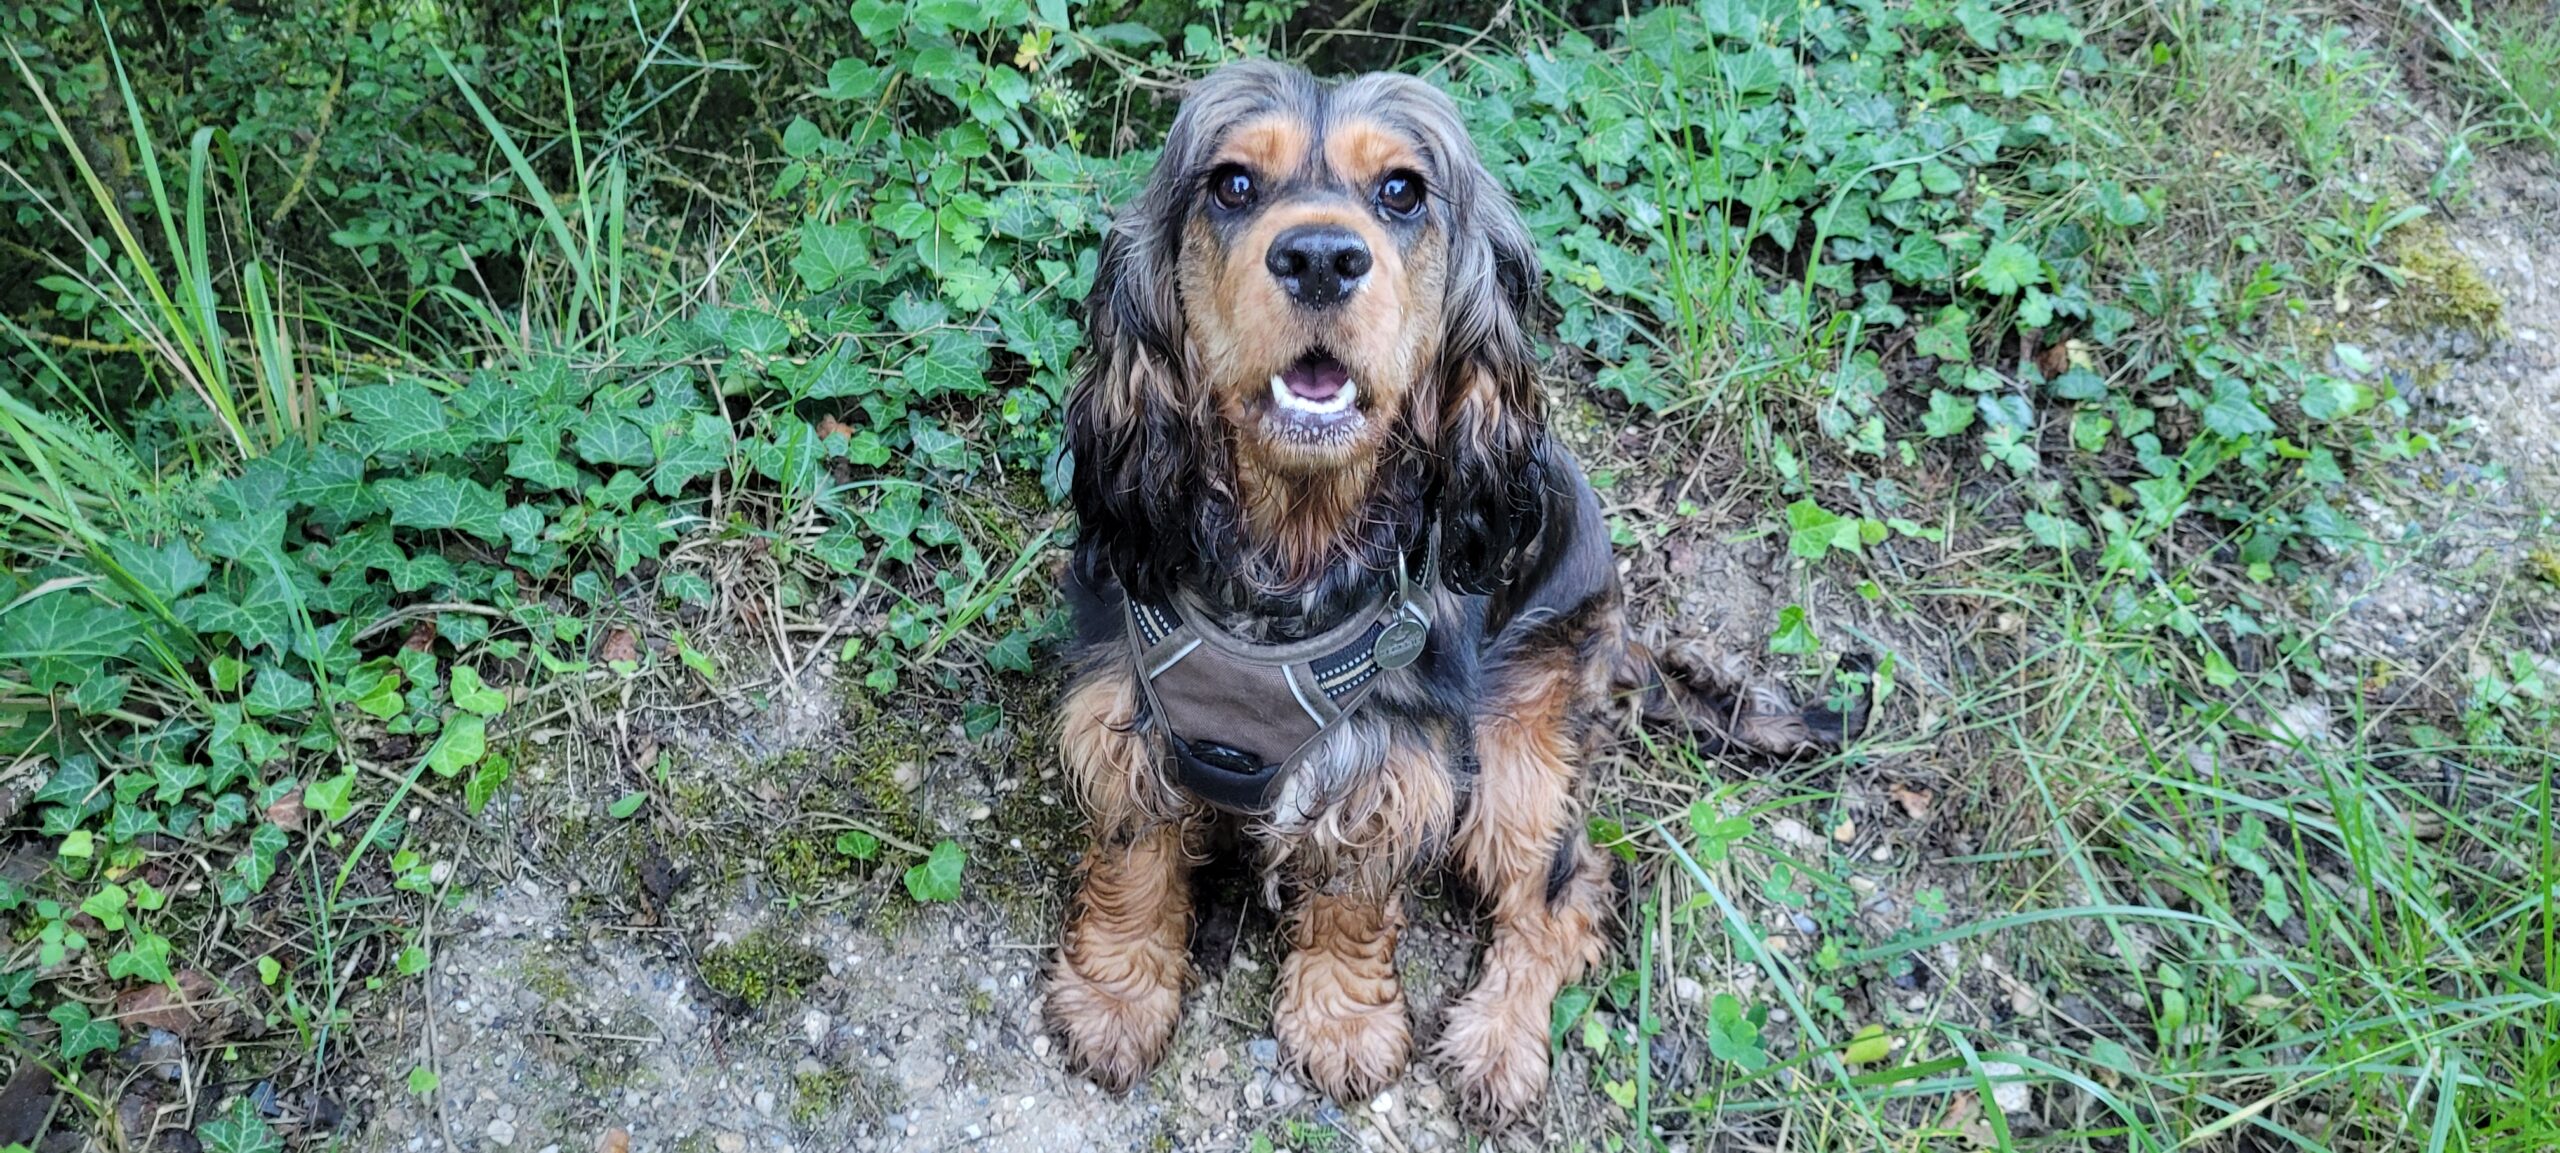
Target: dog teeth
pixel 1340 401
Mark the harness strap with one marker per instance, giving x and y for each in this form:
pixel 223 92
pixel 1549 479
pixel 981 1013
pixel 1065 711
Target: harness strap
pixel 1239 716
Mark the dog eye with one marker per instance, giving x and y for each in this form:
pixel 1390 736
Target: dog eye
pixel 1400 193
pixel 1232 187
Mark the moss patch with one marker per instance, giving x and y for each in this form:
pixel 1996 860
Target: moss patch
pixel 2444 288
pixel 762 968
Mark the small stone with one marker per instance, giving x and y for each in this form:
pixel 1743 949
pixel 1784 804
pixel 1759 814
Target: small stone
pixel 1882 855
pixel 981 813
pixel 1845 832
pixel 1264 1051
pixel 502 1132
pixel 764 1102
pixel 808 1067
pixel 1383 1103
pixel 2011 1096
pixel 813 1025
pixel 1688 991
pixel 1792 831
pixel 727 1142
pixel 1040 1045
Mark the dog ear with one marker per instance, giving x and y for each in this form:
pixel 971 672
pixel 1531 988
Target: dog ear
pixel 1492 426
pixel 1135 438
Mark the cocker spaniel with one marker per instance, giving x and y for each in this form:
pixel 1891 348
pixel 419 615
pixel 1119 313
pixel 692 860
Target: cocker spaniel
pixel 1338 591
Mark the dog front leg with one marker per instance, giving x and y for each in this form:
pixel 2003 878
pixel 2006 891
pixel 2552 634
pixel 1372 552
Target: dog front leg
pixel 1523 848
pixel 1115 990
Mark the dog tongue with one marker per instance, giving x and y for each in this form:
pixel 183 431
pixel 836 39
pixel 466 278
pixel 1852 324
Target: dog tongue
pixel 1316 377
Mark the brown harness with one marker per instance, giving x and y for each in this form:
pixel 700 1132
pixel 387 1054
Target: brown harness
pixel 1239 716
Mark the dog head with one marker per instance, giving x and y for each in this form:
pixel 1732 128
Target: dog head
pixel 1315 311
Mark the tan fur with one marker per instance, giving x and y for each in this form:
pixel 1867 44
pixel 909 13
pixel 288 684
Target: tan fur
pixel 1110 767
pixel 1115 990
pixel 1494 1042
pixel 1364 152
pixel 1339 1014
pixel 1273 148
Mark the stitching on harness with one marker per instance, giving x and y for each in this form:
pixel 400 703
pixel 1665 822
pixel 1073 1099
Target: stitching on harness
pixel 1173 660
pixel 1291 675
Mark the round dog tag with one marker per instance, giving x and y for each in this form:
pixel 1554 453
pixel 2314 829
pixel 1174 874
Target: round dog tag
pixel 1401 642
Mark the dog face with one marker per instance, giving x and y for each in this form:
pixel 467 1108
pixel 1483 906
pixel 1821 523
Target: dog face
pixel 1313 270
pixel 1316 305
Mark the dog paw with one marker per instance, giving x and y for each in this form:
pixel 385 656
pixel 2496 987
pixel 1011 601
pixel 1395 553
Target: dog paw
pixel 1114 1031
pixel 1495 1057
pixel 1348 1038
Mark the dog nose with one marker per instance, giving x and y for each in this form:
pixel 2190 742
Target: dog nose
pixel 1318 264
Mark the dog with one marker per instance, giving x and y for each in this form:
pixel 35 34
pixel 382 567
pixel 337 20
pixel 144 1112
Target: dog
pixel 1336 591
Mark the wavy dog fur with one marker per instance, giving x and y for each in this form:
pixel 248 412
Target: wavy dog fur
pixel 1191 473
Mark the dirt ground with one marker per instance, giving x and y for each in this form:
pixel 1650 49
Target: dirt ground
pixel 569 1005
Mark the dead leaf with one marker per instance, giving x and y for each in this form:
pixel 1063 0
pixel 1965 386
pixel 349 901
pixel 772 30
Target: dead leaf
pixel 181 1011
pixel 1915 802
pixel 829 426
pixel 286 812
pixel 422 636
pixel 614 1140
pixel 620 645
pixel 25 1102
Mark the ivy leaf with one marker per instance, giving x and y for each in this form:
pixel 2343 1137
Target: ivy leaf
pixel 276 691
pixel 241 1130
pixel 484 783
pixel 464 741
pixel 437 501
pixel 2327 397
pixel 167 572
pixel 541 465
pixel 260 622
pixel 471 694
pixel 1793 636
pixel 1948 414
pixel 1812 531
pixel 938 878
pixel 953 362
pixel 68 624
pixel 82 1036
pixel 854 843
pixel 2233 414
pixel 401 417
pixel 605 438
pixel 1945 338
pixel 832 253
pixel 627 804
pixel 332 798
pixel 2007 267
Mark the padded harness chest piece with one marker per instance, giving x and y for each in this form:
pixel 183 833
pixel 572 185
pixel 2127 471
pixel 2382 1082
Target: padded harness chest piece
pixel 1238 716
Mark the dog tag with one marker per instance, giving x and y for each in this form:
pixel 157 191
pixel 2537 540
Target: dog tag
pixel 1401 643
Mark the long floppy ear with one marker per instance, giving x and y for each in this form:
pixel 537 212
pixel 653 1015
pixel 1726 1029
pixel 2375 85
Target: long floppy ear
pixel 1138 445
pixel 1492 419
pixel 1148 459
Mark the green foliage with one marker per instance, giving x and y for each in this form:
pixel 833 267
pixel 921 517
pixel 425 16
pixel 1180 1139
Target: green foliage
pixel 937 877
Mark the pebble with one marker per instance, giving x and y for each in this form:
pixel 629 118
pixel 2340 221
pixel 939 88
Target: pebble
pixel 1383 1103
pixel 1688 991
pixel 727 1142
pixel 764 1102
pixel 502 1132
pixel 2011 1096
pixel 1264 1051
pixel 813 1025
pixel 1792 832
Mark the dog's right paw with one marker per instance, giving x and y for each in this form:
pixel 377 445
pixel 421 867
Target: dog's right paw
pixel 1115 1026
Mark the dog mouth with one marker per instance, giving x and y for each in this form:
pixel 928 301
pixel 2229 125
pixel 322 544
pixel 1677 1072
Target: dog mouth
pixel 1315 395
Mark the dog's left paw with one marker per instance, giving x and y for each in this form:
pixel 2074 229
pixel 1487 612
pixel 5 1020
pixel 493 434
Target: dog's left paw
pixel 1345 1033
pixel 1495 1056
